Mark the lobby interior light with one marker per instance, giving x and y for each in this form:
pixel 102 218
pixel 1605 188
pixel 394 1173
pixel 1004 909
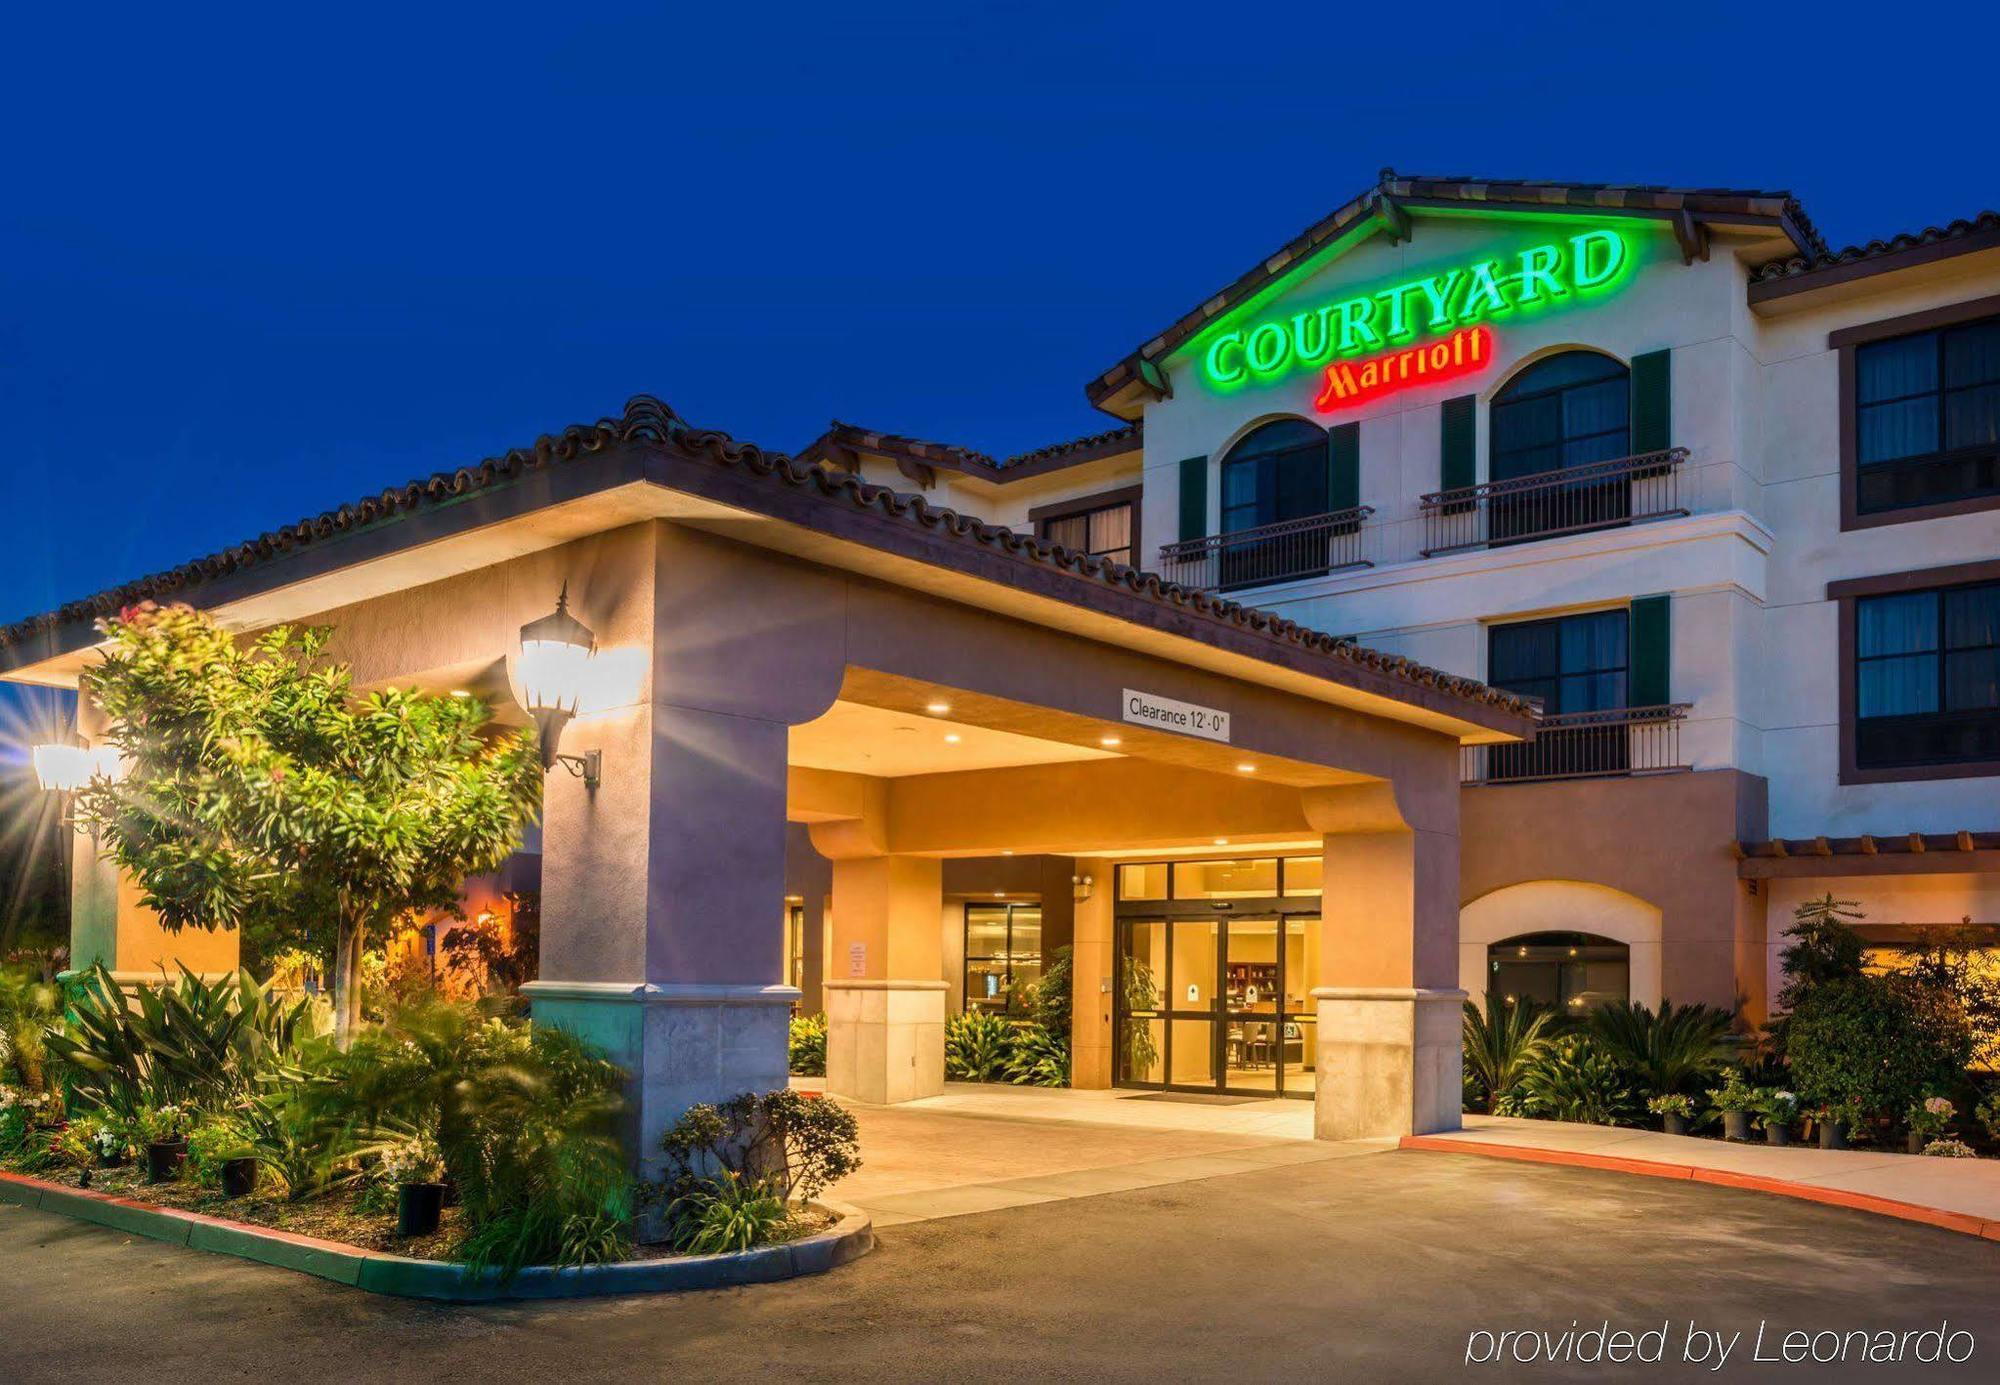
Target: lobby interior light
pixel 554 667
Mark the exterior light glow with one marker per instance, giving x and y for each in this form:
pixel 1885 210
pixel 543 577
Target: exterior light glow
pixel 1246 768
pixel 62 768
pixel 1222 841
pixel 952 738
pixel 1111 740
pixel 937 709
pixel 554 667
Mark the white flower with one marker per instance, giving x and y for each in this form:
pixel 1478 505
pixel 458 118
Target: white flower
pixel 8 1098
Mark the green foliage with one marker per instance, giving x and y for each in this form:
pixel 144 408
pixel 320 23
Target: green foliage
pixel 262 793
pixel 1735 1093
pixel 28 1005
pixel 808 1046
pixel 1987 1113
pixel 726 1212
pixel 191 1043
pixel 1930 1118
pixel 292 1141
pixel 1671 1104
pixel 977 1046
pixel 791 1144
pixel 164 1124
pixel 1676 1050
pixel 1039 1058
pixel 1879 1042
pixel 1501 1045
pixel 1140 995
pixel 213 1143
pixel 1049 999
pixel 1573 1079
pixel 1824 949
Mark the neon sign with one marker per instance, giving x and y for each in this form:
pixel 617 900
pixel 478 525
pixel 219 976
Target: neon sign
pixel 1553 274
pixel 1348 383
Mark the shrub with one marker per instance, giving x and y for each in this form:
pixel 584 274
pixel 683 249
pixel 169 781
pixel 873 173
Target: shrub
pixel 212 1144
pixel 1501 1045
pixel 291 1141
pixel 1949 1149
pixel 726 1212
pixel 794 1145
pixel 1987 1113
pixel 808 1046
pixel 1735 1093
pixel 164 1124
pixel 1776 1106
pixel 1881 1042
pixel 1039 1058
pixel 976 1047
pixel 1673 1051
pixel 1672 1104
pixel 1049 1000
pixel 1931 1117
pixel 1824 949
pixel 1575 1080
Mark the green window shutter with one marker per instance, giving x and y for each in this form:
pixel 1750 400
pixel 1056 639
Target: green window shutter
pixel 1651 683
pixel 1652 402
pixel 1194 498
pixel 1458 462
pixel 1343 466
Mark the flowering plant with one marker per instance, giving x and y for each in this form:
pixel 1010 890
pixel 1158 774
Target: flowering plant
pixel 412 1161
pixel 1777 1106
pixel 1949 1149
pixel 163 1125
pixel 1671 1104
pixel 1734 1094
pixel 1929 1117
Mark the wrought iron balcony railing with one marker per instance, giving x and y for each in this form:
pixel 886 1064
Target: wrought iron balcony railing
pixel 1598 495
pixel 1283 552
pixel 1584 745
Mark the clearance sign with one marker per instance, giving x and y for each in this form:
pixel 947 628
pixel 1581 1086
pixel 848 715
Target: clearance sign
pixel 1420 331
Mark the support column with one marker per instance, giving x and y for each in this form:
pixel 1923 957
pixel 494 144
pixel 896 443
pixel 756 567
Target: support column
pixel 1390 1060
pixel 885 989
pixel 1090 989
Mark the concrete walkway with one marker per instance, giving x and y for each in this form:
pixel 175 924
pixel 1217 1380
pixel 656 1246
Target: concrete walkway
pixel 981 1148
pixel 1956 1194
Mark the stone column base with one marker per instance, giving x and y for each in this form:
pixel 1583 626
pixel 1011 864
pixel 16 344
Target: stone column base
pixel 1390 1062
pixel 681 1044
pixel 884 1040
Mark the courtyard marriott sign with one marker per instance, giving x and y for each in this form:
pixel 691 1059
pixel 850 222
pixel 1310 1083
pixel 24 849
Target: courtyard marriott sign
pixel 1375 343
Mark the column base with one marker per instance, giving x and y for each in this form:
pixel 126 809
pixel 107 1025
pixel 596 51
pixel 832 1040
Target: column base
pixel 681 1044
pixel 1390 1062
pixel 885 1040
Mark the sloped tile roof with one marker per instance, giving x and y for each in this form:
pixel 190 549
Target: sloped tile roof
pixel 1071 452
pixel 1984 223
pixel 647 421
pixel 1779 208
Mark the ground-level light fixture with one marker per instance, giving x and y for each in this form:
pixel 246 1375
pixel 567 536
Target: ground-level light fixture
pixel 554 667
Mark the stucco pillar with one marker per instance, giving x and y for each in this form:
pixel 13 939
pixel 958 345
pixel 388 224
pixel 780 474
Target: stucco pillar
pixel 885 991
pixel 1090 988
pixel 1389 1006
pixel 108 924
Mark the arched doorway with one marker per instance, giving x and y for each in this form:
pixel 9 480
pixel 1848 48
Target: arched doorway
pixel 1526 914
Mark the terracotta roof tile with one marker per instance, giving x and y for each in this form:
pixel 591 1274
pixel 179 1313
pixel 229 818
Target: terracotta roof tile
pixel 648 421
pixel 1875 249
pixel 1073 451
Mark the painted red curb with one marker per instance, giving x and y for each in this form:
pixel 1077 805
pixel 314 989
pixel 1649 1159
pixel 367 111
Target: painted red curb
pixel 182 1215
pixel 1962 1222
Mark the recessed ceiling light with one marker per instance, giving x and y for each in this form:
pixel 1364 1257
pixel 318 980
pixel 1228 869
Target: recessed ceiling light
pixel 1110 740
pixel 1222 841
pixel 1246 768
pixel 999 894
pixel 1007 851
pixel 952 738
pixel 937 709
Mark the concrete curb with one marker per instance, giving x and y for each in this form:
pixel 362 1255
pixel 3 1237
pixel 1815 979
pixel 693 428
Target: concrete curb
pixel 851 1237
pixel 1945 1220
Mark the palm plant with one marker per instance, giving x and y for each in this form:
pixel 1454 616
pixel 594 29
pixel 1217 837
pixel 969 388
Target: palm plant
pixel 1573 1079
pixel 1678 1050
pixel 1502 1044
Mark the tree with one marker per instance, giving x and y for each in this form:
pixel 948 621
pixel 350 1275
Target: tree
pixel 260 792
pixel 1827 948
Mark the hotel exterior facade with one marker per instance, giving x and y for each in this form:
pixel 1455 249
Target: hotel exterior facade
pixel 1504 587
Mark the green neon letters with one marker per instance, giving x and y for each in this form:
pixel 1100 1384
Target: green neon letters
pixel 1541 276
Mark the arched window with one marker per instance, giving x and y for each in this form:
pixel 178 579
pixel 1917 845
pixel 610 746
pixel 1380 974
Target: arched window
pixel 1572 972
pixel 1564 410
pixel 1277 472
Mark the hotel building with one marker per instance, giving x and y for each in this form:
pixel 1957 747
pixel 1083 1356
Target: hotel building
pixel 1524 588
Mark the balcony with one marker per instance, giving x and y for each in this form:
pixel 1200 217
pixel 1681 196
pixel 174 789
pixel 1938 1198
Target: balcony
pixel 1287 551
pixel 1584 745
pixel 1575 500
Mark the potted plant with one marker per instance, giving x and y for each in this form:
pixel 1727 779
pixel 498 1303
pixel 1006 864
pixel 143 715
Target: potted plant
pixel 1834 1119
pixel 165 1131
pixel 416 1168
pixel 219 1154
pixel 1736 1099
pixel 1779 1108
pixel 1928 1120
pixel 1674 1110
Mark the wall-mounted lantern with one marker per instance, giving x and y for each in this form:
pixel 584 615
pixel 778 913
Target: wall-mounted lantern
pixel 554 669
pixel 63 767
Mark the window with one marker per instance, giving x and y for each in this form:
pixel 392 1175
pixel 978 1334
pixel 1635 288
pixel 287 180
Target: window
pixel 795 945
pixel 1566 410
pixel 1927 677
pixel 1105 532
pixel 1571 972
pixel 1276 473
pixel 1572 663
pixel 1003 954
pixel 1926 426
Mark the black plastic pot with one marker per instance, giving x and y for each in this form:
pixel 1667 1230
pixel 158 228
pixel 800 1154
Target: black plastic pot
pixel 1916 1143
pixel 163 1160
pixel 1776 1133
pixel 1832 1135
pixel 239 1177
pixel 1674 1124
pixel 418 1207
pixel 1736 1125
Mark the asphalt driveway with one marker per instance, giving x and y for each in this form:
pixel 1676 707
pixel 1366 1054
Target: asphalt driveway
pixel 1377 1267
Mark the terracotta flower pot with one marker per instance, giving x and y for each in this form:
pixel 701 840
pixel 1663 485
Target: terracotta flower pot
pixel 163 1160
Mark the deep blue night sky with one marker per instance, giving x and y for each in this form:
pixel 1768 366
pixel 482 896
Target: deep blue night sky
pixel 253 267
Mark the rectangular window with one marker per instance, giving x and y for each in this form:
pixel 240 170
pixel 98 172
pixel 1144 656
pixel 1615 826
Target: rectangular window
pixel 1003 955
pixel 1927 677
pixel 1573 663
pixel 1926 424
pixel 1103 533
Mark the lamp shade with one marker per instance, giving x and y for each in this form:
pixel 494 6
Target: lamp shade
pixel 553 669
pixel 62 768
